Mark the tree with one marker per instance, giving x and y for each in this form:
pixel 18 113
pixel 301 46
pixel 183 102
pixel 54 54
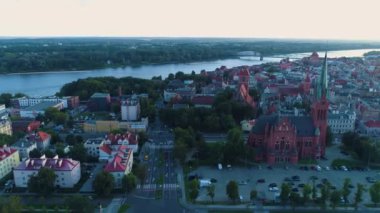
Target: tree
pixel 78 152
pixel 79 204
pixel 285 192
pixel 35 153
pixel 129 182
pixel 141 173
pixel 346 189
pixel 359 194
pixel 325 194
pixel 232 190
pixel 11 205
pixel 103 184
pixel 48 153
pixel 306 192
pixel 294 199
pixel 193 189
pixel 211 192
pixel 253 195
pixel 374 192
pixel 335 198
pixel 180 150
pixel 5 139
pixel 43 182
pixel 314 191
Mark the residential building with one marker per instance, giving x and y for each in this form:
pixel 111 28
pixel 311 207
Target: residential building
pixel 24 146
pixel 130 109
pixel 5 127
pixel 128 139
pixel 119 163
pixel 25 125
pixel 107 126
pixel 370 128
pixel 67 171
pixel 9 159
pixel 341 122
pixel 92 146
pixel 203 101
pixel 42 139
pixel 99 102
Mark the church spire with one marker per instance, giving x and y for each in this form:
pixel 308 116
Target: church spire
pixel 323 83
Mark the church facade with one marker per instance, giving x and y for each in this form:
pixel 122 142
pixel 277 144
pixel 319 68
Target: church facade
pixel 288 139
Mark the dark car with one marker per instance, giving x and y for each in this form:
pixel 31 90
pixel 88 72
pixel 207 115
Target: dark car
pixel 261 180
pixel 270 167
pixel 272 185
pixel 324 180
pixel 213 180
pixel 319 185
pixel 371 179
pixel 344 152
pixel 296 178
pixel 301 185
pixel 295 189
pixel 287 179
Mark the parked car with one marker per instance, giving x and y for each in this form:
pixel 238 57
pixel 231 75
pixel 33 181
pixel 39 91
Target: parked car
pixel 213 180
pixel 261 180
pixel 272 185
pixel 273 189
pixel 296 178
pixel 243 182
pixel 343 168
pixel 371 179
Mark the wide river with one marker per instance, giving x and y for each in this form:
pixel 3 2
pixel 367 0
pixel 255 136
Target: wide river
pixel 48 83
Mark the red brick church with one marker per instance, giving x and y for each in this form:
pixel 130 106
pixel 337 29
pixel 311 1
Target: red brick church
pixel 288 139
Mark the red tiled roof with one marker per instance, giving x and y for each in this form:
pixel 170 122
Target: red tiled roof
pixel 243 72
pixel 120 161
pixel 203 100
pixel 43 136
pixel 34 125
pixel 372 124
pixel 6 152
pixel 105 148
pixel 57 164
pixel 114 138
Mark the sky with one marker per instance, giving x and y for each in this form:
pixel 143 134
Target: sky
pixel 310 19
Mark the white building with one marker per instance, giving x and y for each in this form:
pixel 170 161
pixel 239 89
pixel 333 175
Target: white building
pixel 24 146
pixel 9 159
pixel 67 171
pixel 370 128
pixel 119 164
pixel 92 146
pixel 341 122
pixel 34 110
pixel 27 102
pixel 130 109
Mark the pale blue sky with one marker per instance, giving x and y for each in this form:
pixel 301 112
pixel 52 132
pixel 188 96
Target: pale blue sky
pixel 335 19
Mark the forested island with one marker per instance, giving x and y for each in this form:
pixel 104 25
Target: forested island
pixel 20 55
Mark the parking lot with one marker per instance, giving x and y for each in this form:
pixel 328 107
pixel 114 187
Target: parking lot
pixel 248 180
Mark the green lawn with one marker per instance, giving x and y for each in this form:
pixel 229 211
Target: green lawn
pixel 123 208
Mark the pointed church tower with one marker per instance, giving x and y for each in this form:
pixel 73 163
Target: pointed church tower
pixel 319 109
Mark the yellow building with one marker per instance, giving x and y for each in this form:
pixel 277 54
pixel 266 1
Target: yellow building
pixel 9 159
pixel 100 126
pixel 5 127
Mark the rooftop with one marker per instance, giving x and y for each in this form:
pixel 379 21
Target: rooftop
pixel 119 163
pixel 100 95
pixel 40 106
pixel 6 152
pixel 55 163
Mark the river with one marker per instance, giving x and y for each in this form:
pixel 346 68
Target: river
pixel 48 83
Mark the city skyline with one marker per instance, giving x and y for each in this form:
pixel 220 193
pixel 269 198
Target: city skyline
pixel 294 19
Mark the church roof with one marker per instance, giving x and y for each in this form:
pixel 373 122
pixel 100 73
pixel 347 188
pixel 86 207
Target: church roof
pixel 303 124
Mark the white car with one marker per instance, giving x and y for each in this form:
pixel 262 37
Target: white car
pixel 327 168
pixel 273 189
pixel 318 168
pixel 344 168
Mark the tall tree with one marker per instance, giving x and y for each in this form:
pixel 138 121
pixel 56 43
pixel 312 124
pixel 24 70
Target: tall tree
pixel 194 190
pixel 285 192
pixel 294 199
pixel 306 192
pixel 335 198
pixel 129 182
pixel 346 189
pixel 79 204
pixel 43 182
pixel 211 192
pixel 374 192
pixel 232 190
pixel 103 184
pixel 325 194
pixel 253 195
pixel 141 173
pixel 359 194
pixel 78 152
